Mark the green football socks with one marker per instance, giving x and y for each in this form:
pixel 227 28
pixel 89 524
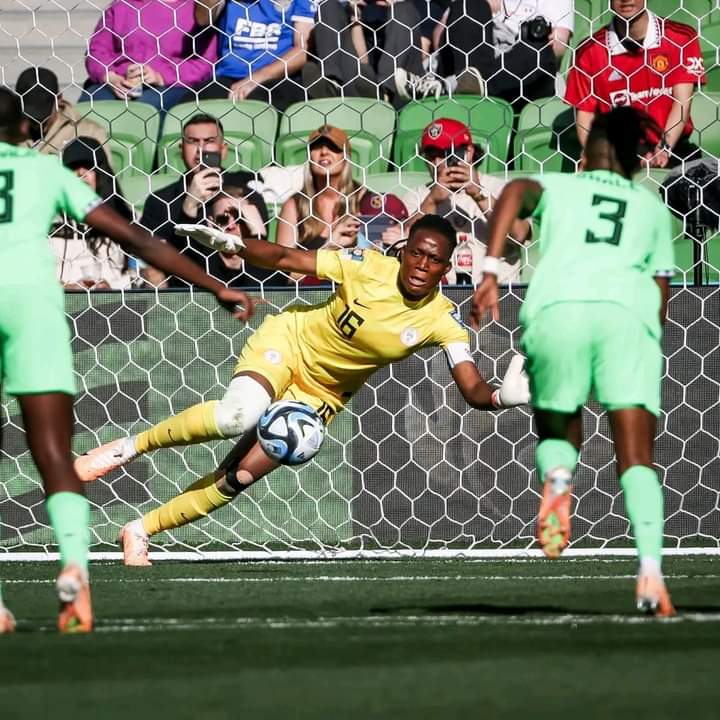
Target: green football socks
pixel 644 504
pixel 70 519
pixel 552 454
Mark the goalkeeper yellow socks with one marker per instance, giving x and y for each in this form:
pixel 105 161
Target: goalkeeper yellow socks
pixel 198 501
pixel 553 454
pixel 69 514
pixel 644 504
pixel 194 425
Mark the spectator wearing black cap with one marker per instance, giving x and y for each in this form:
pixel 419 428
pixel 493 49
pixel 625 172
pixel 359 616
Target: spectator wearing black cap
pixel 84 258
pixel 54 121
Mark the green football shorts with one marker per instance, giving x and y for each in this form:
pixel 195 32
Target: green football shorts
pixel 575 348
pixel 35 353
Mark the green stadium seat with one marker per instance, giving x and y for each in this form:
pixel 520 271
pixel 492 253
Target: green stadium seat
pixel 490 121
pixel 369 123
pixel 706 120
pixel 132 132
pixel 136 188
pixel 397 183
pixel 546 139
pixel 250 127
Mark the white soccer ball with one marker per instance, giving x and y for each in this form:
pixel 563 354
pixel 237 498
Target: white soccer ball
pixel 290 432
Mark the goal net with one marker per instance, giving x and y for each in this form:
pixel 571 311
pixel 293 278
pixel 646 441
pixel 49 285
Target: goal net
pixel 407 468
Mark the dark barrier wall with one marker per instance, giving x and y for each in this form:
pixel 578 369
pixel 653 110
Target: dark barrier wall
pixel 407 466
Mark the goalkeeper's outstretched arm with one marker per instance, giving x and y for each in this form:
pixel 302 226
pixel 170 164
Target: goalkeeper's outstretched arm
pixel 138 241
pixel 258 252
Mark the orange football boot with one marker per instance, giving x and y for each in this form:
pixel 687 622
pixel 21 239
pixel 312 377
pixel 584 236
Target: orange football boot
pixel 73 589
pixel 553 527
pixel 652 596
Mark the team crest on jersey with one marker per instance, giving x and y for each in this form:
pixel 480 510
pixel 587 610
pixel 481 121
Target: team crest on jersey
pixel 273 356
pixel 409 336
pixel 357 254
pixel 434 131
pixel 661 63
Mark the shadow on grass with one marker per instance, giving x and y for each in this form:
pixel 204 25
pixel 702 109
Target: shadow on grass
pixel 483 609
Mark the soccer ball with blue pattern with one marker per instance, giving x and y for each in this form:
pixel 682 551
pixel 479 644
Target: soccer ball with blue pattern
pixel 290 432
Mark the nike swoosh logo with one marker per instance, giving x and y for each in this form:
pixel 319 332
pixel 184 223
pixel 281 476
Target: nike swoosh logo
pixel 359 304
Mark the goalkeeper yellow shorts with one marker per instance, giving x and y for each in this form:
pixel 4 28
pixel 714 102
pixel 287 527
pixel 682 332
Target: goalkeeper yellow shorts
pixel 574 349
pixel 35 353
pixel 273 352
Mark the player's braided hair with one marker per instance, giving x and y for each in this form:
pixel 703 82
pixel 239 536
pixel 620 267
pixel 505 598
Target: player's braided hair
pixel 632 134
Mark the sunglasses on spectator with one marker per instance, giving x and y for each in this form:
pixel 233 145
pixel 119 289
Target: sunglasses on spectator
pixel 227 218
pixel 434 153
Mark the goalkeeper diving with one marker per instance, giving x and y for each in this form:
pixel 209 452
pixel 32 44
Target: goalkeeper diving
pixel 383 310
pixel 592 321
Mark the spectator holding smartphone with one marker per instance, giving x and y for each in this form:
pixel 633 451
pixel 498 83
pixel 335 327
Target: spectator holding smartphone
pixel 457 190
pixel 203 150
pixel 151 51
pixel 324 213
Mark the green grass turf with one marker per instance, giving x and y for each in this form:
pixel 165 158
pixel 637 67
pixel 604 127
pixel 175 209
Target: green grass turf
pixel 394 639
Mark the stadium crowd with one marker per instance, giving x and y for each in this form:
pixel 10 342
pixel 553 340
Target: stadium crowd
pixel 443 69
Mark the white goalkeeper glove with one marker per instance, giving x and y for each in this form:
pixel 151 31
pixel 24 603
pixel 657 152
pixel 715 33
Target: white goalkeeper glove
pixel 211 237
pixel 515 388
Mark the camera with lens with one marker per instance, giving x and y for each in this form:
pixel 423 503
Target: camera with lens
pixel 536 30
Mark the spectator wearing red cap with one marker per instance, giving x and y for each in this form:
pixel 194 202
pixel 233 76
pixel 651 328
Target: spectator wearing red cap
pixel 380 216
pixel 323 214
pixel 458 191
pixel 645 61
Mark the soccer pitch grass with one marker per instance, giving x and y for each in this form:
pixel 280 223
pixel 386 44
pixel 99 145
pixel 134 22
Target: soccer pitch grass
pixel 389 639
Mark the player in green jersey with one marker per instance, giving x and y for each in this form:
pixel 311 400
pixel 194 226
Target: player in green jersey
pixel 35 354
pixel 592 321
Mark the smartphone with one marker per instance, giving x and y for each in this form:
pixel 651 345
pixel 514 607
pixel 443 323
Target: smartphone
pixel 211 159
pixel 452 161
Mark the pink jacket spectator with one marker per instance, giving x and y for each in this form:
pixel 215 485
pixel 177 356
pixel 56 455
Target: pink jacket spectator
pixel 166 38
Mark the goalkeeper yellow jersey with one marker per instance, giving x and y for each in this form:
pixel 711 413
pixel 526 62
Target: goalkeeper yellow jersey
pixel 367 323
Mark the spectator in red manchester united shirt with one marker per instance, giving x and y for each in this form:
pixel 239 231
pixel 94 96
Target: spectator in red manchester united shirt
pixel 645 61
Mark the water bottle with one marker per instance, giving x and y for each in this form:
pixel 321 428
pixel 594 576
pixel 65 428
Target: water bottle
pixel 463 261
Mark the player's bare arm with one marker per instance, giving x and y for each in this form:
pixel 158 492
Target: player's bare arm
pixel 518 200
pixel 137 241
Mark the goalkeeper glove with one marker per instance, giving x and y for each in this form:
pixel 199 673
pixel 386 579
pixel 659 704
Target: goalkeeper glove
pixel 212 238
pixel 515 388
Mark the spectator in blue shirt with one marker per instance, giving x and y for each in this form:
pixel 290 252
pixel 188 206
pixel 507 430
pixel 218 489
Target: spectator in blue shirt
pixel 261 49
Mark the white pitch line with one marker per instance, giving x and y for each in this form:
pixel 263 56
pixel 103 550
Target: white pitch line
pixel 142 625
pixel 356 578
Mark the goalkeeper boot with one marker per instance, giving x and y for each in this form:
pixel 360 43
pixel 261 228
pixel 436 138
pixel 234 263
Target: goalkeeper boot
pixel 134 542
pixel 652 596
pixel 73 589
pixel 553 530
pixel 7 621
pixel 99 462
